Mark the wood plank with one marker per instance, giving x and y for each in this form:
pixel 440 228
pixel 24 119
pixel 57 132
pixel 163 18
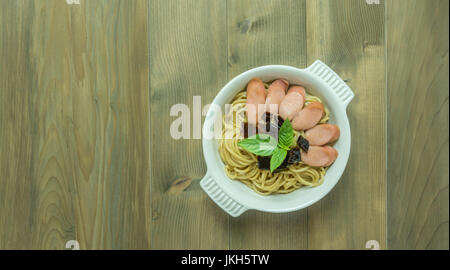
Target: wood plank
pixel 16 126
pixel 418 124
pixel 187 58
pixel 262 33
pixel 349 37
pixel 82 82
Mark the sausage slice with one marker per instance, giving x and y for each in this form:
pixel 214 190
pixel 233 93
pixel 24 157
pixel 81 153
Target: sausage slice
pixel 308 117
pixel 256 98
pixel 322 134
pixel 276 93
pixel 293 102
pixel 319 156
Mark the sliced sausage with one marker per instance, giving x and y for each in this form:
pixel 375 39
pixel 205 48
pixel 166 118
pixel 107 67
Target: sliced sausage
pixel 252 113
pixel 293 102
pixel 276 93
pixel 317 156
pixel 308 117
pixel 333 154
pixel 256 99
pixel 322 134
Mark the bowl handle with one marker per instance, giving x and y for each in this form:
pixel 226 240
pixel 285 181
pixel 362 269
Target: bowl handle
pixel 233 208
pixel 330 78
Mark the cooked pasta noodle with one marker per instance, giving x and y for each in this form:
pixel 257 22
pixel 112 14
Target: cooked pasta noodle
pixel 242 165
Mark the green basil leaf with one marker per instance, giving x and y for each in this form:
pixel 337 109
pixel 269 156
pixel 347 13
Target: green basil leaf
pixel 277 158
pixel 285 135
pixel 259 144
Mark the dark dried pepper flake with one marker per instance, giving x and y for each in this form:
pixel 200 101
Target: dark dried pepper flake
pixel 268 125
pixel 248 130
pixel 264 163
pixel 293 156
pixel 303 143
pixel 268 116
pixel 280 122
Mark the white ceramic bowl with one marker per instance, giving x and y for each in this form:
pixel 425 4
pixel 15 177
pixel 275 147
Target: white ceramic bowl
pixel 235 197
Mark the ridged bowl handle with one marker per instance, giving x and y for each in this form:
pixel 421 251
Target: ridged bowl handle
pixel 219 196
pixel 330 78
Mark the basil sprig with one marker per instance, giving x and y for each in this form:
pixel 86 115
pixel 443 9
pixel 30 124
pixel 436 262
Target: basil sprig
pixel 285 135
pixel 266 145
pixel 259 144
pixel 277 158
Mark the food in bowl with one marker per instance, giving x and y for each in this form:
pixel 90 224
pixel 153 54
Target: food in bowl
pixel 277 138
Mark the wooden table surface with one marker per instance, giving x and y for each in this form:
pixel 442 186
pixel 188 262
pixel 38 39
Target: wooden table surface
pixel 85 146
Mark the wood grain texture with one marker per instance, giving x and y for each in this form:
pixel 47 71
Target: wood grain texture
pixel 16 127
pixel 187 58
pixel 262 33
pixel 349 36
pixel 80 164
pixel 85 98
pixel 418 124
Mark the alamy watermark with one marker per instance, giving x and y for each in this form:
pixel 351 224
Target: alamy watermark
pixel 227 122
pixel 373 245
pixel 372 2
pixel 73 245
pixel 73 2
